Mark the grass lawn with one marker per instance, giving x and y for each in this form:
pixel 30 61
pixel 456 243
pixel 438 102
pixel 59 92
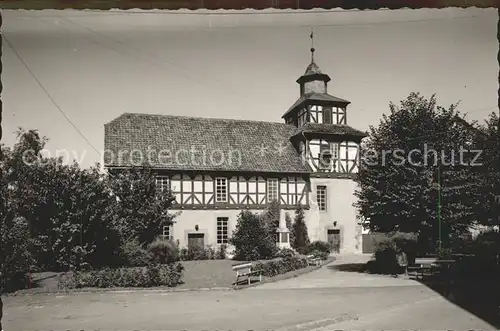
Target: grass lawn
pixel 197 275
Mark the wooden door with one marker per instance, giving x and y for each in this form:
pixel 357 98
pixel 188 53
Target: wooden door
pixel 334 239
pixel 196 239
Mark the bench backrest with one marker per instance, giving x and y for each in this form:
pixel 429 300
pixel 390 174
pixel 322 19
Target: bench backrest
pixel 240 267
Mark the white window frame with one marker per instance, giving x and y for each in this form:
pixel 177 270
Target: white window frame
pixel 167 232
pixel 222 224
pixel 162 183
pixel 322 204
pixel 220 197
pixel 270 189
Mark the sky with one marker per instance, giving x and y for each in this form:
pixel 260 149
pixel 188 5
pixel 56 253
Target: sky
pixel 67 73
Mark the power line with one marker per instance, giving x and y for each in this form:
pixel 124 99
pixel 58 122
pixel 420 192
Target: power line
pixel 178 68
pixel 48 94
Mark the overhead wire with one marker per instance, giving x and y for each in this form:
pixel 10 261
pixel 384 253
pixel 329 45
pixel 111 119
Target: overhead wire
pixel 47 93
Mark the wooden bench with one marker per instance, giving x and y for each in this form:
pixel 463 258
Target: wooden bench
pixel 245 270
pixel 313 260
pixel 428 266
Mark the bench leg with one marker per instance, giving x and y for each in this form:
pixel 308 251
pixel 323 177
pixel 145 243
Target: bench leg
pixel 249 279
pixel 260 277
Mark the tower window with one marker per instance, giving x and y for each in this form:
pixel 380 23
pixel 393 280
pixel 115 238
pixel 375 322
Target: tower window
pixel 327 115
pixel 321 197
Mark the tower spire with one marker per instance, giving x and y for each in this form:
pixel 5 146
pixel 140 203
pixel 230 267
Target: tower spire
pixel 312 45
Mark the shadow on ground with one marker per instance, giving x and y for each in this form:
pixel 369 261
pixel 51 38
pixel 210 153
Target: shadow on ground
pixel 479 295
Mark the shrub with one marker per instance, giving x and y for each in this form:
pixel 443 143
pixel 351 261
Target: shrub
pixel 321 246
pixel 386 258
pixel 320 254
pixel 133 254
pixel 16 259
pixel 222 252
pixel 281 266
pixel 153 275
pixel 163 251
pixel 299 229
pixel 286 252
pixel 252 239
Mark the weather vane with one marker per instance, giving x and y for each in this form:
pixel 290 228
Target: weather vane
pixel 312 45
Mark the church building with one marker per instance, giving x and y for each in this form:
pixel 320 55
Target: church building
pixel 218 167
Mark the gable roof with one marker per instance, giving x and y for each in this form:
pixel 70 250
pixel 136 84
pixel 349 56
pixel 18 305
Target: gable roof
pixel 315 97
pixel 200 144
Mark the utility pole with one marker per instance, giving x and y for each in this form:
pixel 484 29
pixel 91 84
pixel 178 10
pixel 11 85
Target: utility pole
pixel 439 206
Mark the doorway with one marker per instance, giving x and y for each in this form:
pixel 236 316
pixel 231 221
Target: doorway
pixel 196 239
pixel 333 236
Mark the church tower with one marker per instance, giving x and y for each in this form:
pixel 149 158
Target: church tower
pixel 323 137
pixel 330 148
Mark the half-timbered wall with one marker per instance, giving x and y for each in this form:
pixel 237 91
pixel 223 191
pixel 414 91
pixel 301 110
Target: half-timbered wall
pixel 237 191
pixel 328 156
pixel 327 115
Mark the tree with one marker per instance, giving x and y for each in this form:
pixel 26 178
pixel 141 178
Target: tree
pixel 404 185
pixel 489 174
pixel 67 208
pixel 140 211
pixel 301 238
pixel 252 239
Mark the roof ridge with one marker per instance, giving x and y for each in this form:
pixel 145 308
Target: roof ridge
pixel 198 117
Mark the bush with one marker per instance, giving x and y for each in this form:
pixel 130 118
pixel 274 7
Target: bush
pixel 281 266
pixel 385 258
pixel 252 239
pixel 321 246
pixel 134 255
pixel 163 251
pixel 202 253
pixel 16 259
pixel 154 275
pixel 300 238
pixel 320 254
pixel 286 252
pixel 222 252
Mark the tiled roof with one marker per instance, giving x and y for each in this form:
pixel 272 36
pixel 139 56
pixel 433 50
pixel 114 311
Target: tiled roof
pixel 339 129
pixel 316 97
pixel 194 143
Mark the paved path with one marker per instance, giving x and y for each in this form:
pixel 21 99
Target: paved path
pixel 329 277
pixel 328 305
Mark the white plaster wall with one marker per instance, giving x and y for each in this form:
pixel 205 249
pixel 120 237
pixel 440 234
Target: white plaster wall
pixel 340 199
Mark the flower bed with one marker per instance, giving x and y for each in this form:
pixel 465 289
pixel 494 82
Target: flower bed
pixel 150 276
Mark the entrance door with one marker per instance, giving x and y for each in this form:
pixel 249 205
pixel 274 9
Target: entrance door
pixel 196 239
pixel 334 239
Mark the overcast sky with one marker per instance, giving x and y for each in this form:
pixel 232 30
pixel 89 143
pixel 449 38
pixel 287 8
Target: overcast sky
pixel 97 65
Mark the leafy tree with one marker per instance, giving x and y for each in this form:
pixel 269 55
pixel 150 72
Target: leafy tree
pixel 67 208
pixel 401 179
pixel 301 238
pixel 488 210
pixel 140 211
pixel 252 239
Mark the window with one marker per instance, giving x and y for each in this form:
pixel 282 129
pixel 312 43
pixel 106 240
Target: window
pixel 272 189
pixel 327 115
pixel 221 189
pixel 167 232
pixel 325 159
pixel 162 184
pixel 222 237
pixel 321 197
